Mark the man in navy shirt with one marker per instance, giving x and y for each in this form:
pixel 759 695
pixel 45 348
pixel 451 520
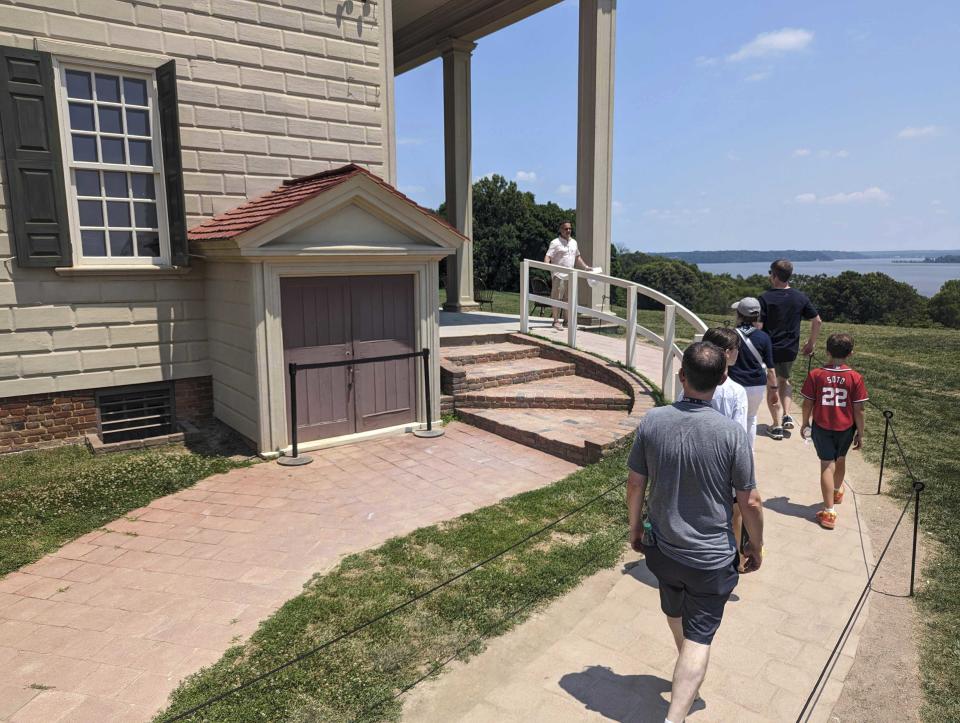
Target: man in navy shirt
pixel 783 307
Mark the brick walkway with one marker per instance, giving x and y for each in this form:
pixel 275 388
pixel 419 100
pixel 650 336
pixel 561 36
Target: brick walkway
pixel 105 628
pixel 603 652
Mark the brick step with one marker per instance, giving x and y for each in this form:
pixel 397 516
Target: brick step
pixel 580 436
pixel 511 371
pixel 555 393
pixel 484 353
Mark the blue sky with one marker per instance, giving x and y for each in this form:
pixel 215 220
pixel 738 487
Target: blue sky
pixel 742 124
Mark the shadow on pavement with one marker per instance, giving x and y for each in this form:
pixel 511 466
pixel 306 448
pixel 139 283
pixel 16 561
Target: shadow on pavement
pixel 633 698
pixel 784 506
pixel 639 571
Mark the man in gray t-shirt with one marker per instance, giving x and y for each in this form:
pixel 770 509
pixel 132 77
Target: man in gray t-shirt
pixel 695 460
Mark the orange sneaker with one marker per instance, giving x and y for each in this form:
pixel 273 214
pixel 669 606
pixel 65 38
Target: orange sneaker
pixel 838 496
pixel 827 520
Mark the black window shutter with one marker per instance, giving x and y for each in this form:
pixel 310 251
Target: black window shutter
pixel 172 162
pixel 36 190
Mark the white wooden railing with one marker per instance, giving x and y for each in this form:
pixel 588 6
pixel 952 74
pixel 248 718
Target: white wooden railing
pixel 671 352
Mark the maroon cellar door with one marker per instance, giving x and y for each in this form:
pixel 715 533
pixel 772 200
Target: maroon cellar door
pixel 315 318
pixel 383 323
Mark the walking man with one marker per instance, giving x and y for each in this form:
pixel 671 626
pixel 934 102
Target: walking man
pixel 694 460
pixel 782 308
pixel 563 251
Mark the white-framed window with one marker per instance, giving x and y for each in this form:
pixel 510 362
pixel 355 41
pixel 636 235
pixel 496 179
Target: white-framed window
pixel 113 165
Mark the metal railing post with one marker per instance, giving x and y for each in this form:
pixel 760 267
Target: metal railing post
pixel 631 325
pixel 917 488
pixel 669 334
pixel 572 309
pixel 524 297
pixel 887 416
pixel 293 406
pixel 428 400
pixel 296 459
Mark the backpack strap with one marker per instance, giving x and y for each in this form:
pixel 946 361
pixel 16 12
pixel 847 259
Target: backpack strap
pixel 745 337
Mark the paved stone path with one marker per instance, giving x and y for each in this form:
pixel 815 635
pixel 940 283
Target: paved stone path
pixel 105 628
pixel 604 652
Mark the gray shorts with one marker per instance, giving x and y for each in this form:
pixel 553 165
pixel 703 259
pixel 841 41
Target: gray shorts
pixel 784 369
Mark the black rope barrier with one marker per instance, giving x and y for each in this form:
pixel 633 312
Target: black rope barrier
pixel 853 616
pixel 486 632
pixel 407 603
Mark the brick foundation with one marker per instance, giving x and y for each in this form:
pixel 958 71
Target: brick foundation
pixel 37 421
pixel 193 399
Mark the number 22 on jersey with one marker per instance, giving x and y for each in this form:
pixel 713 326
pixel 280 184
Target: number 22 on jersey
pixel 833 397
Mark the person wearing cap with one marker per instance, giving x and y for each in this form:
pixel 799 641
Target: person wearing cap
pixel 754 368
pixel 782 308
pixel 563 251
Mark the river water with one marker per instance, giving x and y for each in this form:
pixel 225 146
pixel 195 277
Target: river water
pixel 925 278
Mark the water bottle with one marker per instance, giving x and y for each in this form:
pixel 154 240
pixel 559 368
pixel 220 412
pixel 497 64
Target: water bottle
pixel 647 539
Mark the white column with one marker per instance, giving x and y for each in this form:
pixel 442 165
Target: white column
pixel 595 139
pixel 459 188
pixel 387 97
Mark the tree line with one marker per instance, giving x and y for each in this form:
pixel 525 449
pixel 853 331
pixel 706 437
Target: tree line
pixel 509 226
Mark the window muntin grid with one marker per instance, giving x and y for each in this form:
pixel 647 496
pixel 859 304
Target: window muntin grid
pixel 112 147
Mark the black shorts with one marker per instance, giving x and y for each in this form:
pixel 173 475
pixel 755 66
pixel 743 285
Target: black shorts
pixel 832 445
pixel 696 596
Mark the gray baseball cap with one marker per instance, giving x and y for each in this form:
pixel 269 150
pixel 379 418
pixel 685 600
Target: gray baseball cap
pixel 747 306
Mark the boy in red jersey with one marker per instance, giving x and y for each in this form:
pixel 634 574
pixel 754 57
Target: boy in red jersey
pixel 835 395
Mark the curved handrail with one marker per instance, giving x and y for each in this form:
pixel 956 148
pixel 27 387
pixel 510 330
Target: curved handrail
pixel 671 352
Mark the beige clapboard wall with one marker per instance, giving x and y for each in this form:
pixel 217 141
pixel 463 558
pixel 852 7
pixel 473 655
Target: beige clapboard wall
pixel 266 92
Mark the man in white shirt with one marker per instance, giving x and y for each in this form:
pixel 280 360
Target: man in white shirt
pixel 563 251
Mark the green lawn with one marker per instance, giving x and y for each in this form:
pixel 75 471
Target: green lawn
pixel 50 497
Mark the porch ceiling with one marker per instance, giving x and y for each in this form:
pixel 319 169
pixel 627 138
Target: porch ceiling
pixel 419 26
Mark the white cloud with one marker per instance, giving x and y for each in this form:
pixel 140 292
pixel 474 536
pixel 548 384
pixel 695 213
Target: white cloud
pixel 777 42
pixel 918 131
pixel 801 152
pixel 617 207
pixel 823 153
pixel 842 153
pixel 676 215
pixel 704 62
pixel 526 177
pixel 936 202
pixel 873 194
pixel 565 189
pixel 731 156
pixel 756 77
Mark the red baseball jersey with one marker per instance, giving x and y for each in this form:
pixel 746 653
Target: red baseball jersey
pixel 834 391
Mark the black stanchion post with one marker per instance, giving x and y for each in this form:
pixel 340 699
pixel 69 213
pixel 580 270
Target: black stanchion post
pixel 428 400
pixel 917 488
pixel 887 416
pixel 296 460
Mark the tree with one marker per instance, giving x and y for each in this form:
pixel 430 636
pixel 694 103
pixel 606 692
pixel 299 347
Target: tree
pixel 873 298
pixel 509 226
pixel 945 304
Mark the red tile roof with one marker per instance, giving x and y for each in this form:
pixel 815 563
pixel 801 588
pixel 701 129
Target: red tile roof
pixel 290 194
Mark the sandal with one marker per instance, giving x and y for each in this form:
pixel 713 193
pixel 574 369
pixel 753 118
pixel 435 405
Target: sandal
pixel 775 433
pixel 788 422
pixel 827 520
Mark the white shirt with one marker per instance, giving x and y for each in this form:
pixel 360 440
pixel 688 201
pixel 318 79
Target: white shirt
pixel 730 399
pixel 563 253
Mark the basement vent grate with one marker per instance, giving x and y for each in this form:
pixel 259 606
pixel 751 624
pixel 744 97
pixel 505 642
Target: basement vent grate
pixel 135 412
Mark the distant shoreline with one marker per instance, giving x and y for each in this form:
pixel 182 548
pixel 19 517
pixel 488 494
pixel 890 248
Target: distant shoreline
pixel 732 256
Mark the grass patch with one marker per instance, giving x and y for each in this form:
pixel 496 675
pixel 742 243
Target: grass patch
pixel 50 497
pixel 344 681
